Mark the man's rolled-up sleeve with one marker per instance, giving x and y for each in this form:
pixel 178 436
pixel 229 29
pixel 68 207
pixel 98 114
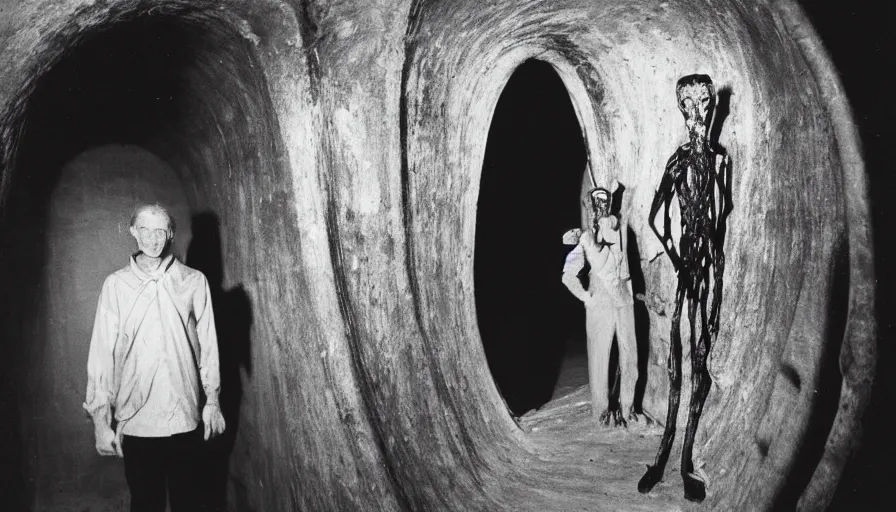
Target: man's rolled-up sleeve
pixel 100 359
pixel 209 369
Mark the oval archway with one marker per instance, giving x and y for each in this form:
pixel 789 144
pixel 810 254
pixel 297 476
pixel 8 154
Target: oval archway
pixel 528 197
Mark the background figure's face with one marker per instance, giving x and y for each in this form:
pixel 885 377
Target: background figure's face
pixel 152 233
pixel 695 102
pixel 600 205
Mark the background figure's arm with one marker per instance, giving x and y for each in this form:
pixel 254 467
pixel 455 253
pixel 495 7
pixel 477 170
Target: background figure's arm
pixel 575 262
pixel 663 198
pixel 209 367
pixel 100 359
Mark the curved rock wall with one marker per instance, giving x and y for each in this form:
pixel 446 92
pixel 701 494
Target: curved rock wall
pixel 340 146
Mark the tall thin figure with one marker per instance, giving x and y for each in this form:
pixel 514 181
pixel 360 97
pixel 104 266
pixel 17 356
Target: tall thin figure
pixel 694 173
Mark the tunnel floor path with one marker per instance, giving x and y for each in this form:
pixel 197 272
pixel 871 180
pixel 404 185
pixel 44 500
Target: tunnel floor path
pixel 608 460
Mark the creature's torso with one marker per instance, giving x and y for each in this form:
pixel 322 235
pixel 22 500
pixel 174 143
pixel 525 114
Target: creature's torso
pixel 695 182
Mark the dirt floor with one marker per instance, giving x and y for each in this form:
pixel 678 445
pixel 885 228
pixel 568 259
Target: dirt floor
pixel 563 434
pixel 588 454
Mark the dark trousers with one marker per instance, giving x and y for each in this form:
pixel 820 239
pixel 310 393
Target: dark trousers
pixel 154 464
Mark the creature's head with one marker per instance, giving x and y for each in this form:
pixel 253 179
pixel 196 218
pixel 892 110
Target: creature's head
pixel 696 100
pixel 153 229
pixel 600 202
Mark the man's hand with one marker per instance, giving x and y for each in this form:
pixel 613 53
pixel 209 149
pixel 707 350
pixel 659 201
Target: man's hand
pixel 107 443
pixel 213 420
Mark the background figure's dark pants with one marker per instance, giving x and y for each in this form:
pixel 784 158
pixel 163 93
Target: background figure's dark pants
pixel 152 462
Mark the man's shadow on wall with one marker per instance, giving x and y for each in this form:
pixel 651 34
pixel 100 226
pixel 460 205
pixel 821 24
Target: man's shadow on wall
pixel 233 321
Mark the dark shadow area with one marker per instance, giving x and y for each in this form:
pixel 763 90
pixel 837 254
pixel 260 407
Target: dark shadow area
pixel 858 37
pixel 529 196
pixel 233 322
pixel 824 409
pixel 12 480
pixel 720 114
pixel 642 318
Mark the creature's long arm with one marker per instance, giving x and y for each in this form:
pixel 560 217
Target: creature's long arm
pixel 663 198
pixel 723 177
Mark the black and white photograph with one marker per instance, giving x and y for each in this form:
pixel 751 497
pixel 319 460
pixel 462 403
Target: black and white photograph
pixel 447 255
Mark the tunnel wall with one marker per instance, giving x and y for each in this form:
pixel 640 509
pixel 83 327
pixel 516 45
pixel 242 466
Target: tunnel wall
pixel 339 145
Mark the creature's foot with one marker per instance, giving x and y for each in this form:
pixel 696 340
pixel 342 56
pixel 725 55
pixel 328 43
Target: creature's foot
pixel 613 416
pixel 653 475
pixel 641 418
pixel 604 417
pixel 694 487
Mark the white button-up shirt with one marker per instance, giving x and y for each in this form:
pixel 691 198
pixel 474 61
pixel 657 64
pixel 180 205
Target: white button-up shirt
pixel 609 280
pixel 153 341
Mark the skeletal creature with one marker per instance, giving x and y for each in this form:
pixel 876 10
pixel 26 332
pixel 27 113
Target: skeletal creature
pixel 693 173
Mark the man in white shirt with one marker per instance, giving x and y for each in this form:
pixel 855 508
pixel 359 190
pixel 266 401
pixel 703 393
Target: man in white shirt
pixel 153 345
pixel 609 307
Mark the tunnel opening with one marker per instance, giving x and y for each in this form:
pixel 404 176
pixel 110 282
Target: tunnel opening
pixel 137 108
pixel 528 197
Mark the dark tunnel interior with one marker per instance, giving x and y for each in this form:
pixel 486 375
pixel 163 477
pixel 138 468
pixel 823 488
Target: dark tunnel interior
pixel 124 93
pixel 529 196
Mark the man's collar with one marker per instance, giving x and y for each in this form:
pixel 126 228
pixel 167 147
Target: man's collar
pixel 143 275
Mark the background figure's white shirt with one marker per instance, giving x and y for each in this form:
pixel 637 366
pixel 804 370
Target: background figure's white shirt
pixel 151 335
pixel 609 277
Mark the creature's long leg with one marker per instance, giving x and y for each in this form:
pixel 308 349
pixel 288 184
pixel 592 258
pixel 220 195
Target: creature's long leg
pixel 655 473
pixel 694 486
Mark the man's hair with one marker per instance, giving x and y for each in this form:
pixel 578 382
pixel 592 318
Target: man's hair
pixel 156 209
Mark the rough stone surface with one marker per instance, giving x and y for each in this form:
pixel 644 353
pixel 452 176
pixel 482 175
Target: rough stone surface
pixel 340 145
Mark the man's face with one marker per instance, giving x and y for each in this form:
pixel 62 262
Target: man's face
pixel 695 102
pixel 152 233
pixel 600 204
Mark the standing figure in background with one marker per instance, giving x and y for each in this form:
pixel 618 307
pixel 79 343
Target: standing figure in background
pixel 694 173
pixel 153 352
pixel 609 308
